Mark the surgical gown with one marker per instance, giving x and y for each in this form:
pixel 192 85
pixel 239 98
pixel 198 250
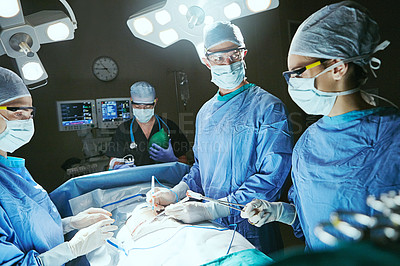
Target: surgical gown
pixel 242 151
pixel 339 161
pixel 29 222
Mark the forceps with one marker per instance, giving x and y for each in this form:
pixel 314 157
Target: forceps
pixel 198 196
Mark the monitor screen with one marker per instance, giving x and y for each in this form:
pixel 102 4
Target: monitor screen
pixel 76 115
pixel 113 111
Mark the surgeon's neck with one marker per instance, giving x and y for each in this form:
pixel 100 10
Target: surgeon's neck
pixel 223 92
pixel 3 153
pixel 348 103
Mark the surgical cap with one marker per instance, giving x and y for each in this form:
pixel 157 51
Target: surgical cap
pixel 338 31
pixel 220 32
pixel 11 86
pixel 143 92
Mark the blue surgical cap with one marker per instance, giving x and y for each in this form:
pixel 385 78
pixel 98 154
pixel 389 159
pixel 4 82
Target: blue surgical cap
pixel 11 86
pixel 220 32
pixel 143 92
pixel 338 31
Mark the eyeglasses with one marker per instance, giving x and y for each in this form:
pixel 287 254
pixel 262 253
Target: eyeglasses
pixel 143 105
pixel 20 112
pixel 220 57
pixel 298 72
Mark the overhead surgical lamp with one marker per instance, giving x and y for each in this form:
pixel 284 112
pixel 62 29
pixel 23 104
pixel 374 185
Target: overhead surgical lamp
pixel 172 20
pixel 21 37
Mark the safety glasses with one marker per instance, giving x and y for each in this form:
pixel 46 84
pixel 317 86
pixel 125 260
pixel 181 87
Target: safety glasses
pixel 298 72
pixel 220 57
pixel 20 112
pixel 143 105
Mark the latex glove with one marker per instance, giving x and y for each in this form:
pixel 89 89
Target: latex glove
pixel 83 242
pixel 157 153
pixel 84 219
pixel 260 212
pixel 193 212
pixel 163 196
pixel 92 237
pixel 123 166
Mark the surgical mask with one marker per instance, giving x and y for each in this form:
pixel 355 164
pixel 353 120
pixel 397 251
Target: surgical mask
pixel 228 76
pixel 310 99
pixel 17 134
pixel 143 115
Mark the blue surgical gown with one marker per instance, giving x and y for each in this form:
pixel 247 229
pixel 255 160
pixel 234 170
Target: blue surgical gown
pixel 339 161
pixel 242 150
pixel 29 222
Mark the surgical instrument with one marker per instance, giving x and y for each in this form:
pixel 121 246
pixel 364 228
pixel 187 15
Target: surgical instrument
pixel 198 196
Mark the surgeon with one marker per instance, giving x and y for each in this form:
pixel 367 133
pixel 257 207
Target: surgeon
pixel 243 144
pixel 31 229
pixel 135 136
pixel 354 149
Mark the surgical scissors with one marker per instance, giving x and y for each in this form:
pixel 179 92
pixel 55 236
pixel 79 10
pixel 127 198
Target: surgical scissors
pixel 198 196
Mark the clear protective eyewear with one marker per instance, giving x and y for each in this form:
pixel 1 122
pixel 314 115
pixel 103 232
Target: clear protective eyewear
pixel 20 112
pixel 298 72
pixel 143 105
pixel 220 57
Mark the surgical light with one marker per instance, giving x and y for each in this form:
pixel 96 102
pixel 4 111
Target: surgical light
pixel 232 11
pixel 21 37
pixel 32 71
pixel 258 5
pixel 208 20
pixel 163 17
pixel 169 36
pixel 143 26
pixel 58 31
pixel 183 9
pixel 187 18
pixel 9 8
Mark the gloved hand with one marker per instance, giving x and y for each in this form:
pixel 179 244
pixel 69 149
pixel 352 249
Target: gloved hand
pixel 123 166
pixel 260 212
pixel 92 237
pixel 163 196
pixel 157 153
pixel 84 219
pixel 84 241
pixel 193 212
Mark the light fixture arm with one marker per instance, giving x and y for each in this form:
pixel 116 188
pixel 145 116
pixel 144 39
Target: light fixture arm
pixel 71 13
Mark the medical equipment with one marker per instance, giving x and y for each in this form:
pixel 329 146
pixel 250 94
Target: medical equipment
pixel 76 115
pixel 133 144
pixel 126 160
pixel 112 112
pixel 198 196
pixel 382 227
pixel 152 191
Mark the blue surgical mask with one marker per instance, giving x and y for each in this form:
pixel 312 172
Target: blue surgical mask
pixel 143 115
pixel 310 99
pixel 228 76
pixel 17 134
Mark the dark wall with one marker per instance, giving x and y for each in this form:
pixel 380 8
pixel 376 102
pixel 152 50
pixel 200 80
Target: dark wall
pixel 102 30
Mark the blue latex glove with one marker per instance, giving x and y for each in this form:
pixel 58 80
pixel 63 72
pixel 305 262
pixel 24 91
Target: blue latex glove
pixel 159 154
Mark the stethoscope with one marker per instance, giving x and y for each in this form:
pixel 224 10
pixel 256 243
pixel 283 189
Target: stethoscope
pixel 133 144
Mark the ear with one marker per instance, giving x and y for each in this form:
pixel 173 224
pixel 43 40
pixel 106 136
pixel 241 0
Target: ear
pixel 155 101
pixel 205 61
pixel 340 71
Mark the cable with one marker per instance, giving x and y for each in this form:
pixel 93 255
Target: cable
pixel 177 199
pixel 118 201
pixel 233 236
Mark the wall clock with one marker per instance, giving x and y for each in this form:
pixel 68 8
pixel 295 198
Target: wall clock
pixel 105 68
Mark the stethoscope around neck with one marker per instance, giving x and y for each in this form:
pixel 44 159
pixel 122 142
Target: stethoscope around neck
pixel 133 144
